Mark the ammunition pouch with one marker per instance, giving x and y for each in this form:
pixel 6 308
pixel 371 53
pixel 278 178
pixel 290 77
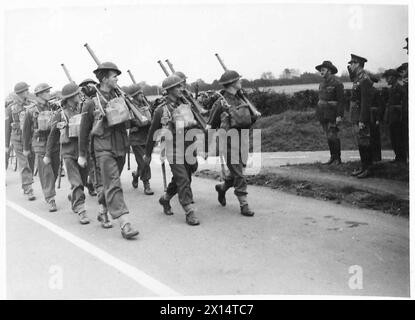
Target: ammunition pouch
pixel 74 126
pixel 44 120
pixel 117 112
pixel 239 116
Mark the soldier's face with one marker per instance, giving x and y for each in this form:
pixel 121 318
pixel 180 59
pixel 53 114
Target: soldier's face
pixel 324 72
pixel 112 80
pixel 45 95
pixel 237 84
pixel 24 95
pixel 354 65
pixel 176 92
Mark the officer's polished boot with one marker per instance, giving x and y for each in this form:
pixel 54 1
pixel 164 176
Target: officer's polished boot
pixel 52 206
pixel 191 218
pixel 128 232
pixel 221 194
pixel 135 179
pixel 147 189
pixel 166 206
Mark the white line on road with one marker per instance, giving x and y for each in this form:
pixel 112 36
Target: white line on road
pixel 137 275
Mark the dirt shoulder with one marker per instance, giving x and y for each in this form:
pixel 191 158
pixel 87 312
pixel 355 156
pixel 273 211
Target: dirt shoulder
pixel 335 185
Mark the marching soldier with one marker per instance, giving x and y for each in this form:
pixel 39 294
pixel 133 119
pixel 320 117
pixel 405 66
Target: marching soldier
pixel 175 116
pixel 110 144
pixel 330 108
pixel 224 114
pixel 138 138
pixel 62 132
pixel 360 103
pixel 395 115
pixel 88 92
pixel 15 113
pixel 36 129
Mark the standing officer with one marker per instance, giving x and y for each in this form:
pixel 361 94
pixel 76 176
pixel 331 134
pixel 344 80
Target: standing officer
pixel 330 108
pixel 360 103
pixel 88 92
pixel 36 129
pixel 175 116
pixel 15 113
pixel 230 111
pixel 377 110
pixel 138 138
pixel 110 144
pixel 68 139
pixel 395 115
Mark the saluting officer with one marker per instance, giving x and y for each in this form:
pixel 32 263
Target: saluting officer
pixel 110 144
pixel 330 108
pixel 36 129
pixel 138 138
pixel 14 124
pixel 230 111
pixel 360 103
pixel 172 116
pixel 68 139
pixel 395 115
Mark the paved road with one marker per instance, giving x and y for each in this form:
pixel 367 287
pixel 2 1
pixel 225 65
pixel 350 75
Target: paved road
pixel 293 245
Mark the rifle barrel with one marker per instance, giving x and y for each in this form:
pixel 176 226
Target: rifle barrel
pixel 91 52
pixel 67 73
pixel 170 66
pixel 131 76
pixel 221 62
pixel 163 68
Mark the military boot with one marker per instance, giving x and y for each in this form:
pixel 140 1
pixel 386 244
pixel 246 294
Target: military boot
pixel 30 196
pixel 166 206
pixel 52 206
pixel 147 189
pixel 103 217
pixel 191 218
pixel 83 217
pixel 246 211
pixel 128 232
pixel 135 179
pixel 332 158
pixel 221 194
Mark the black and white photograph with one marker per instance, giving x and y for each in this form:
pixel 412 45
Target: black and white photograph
pixel 206 150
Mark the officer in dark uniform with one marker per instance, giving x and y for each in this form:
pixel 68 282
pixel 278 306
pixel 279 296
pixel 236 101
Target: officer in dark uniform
pixel 395 115
pixel 377 111
pixel 64 132
pixel 110 144
pixel 88 92
pixel 330 108
pixel 175 118
pixel 15 113
pixel 138 138
pixel 221 117
pixel 403 72
pixel 360 103
pixel 36 129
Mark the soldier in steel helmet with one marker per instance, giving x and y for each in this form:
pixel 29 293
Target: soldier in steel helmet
pixel 110 145
pixel 224 115
pixel 395 115
pixel 36 129
pixel 360 103
pixel 62 133
pixel 138 138
pixel 330 108
pixel 15 113
pixel 170 117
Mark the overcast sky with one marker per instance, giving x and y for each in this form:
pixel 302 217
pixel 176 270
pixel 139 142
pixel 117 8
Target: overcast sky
pixel 251 38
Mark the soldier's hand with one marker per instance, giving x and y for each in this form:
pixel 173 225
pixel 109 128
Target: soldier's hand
pixel 26 153
pixel 82 161
pixel 46 160
pixel 147 159
pixel 258 114
pixel 338 120
pixel 361 125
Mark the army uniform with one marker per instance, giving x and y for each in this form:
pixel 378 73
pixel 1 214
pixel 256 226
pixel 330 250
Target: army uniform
pixel 220 118
pixel 60 134
pixel 395 117
pixel 331 106
pixel 137 139
pixel 33 136
pixel 15 113
pixel 110 145
pixel 405 104
pixel 360 104
pixel 377 111
pixel 182 170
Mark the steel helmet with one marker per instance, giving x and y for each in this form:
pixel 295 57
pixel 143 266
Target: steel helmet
pixel 180 74
pixel 21 87
pixel 108 66
pixel 229 76
pixel 70 90
pixel 171 81
pixel 87 81
pixel 42 87
pixel 134 89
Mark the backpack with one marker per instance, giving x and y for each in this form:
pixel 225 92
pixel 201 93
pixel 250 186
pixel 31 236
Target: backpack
pixel 239 116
